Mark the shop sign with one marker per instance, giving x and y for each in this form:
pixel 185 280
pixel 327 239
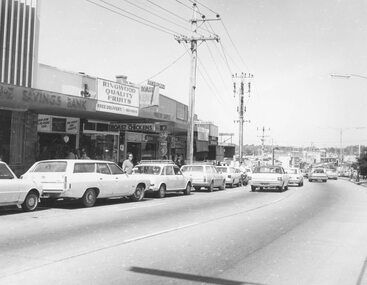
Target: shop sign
pixel 48 124
pixel 203 134
pixel 116 109
pixel 33 99
pixel 118 98
pixel 44 123
pixel 72 125
pixel 149 96
pixel 153 83
pixel 140 127
pixel 180 111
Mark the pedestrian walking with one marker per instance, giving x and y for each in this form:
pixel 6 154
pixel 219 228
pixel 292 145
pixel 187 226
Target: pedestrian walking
pixel 128 165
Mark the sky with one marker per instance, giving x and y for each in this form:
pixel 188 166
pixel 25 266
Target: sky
pixel 290 46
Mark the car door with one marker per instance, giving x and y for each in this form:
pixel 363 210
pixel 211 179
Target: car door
pixel 106 180
pixel 180 179
pixel 169 177
pixel 123 184
pixel 9 186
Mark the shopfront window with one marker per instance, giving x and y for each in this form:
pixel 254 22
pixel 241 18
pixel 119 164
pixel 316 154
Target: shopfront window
pixel 5 123
pixel 100 146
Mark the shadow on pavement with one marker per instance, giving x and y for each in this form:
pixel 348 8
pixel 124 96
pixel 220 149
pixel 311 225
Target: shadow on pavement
pixel 190 277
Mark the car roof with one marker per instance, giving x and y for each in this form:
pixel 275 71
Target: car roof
pixel 77 160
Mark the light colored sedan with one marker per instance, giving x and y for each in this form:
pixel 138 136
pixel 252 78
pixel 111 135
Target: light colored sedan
pixel 295 176
pixel 265 177
pixel 164 177
pixel 203 175
pixel 233 176
pixel 20 192
pixel 318 174
pixel 332 174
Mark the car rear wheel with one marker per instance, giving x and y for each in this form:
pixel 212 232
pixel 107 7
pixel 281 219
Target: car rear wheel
pixel 31 202
pixel 89 198
pixel 253 188
pixel 161 193
pixel 188 189
pixel 138 194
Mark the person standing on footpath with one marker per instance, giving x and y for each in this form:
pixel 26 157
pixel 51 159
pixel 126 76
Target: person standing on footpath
pixel 128 164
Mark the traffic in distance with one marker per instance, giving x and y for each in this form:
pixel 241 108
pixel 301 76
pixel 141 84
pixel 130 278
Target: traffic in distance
pixel 88 180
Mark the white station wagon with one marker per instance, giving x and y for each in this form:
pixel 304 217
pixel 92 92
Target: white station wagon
pixel 164 177
pixel 20 192
pixel 86 180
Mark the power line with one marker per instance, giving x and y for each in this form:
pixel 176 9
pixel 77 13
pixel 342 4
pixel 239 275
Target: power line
pixel 168 66
pixel 153 25
pixel 235 47
pixel 190 8
pixel 154 14
pixel 197 2
pixel 168 11
pixel 215 64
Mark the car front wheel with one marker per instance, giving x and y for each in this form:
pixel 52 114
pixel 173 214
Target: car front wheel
pixel 188 189
pixel 138 194
pixel 31 202
pixel 161 191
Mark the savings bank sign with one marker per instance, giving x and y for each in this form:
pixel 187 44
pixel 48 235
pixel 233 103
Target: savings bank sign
pixel 117 98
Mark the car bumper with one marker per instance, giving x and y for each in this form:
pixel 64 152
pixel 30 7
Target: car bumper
pixel 267 183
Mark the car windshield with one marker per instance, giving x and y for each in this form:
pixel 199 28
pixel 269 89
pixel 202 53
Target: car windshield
pixel 264 169
pixel 292 171
pixel 192 168
pixel 318 171
pixel 5 173
pixel 222 169
pixel 50 166
pixel 147 169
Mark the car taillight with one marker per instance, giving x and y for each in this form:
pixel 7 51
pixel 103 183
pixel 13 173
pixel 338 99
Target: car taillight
pixel 280 178
pixel 65 182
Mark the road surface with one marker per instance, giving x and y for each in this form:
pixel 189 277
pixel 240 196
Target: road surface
pixel 315 234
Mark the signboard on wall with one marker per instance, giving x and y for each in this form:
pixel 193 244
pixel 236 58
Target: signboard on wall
pixel 117 98
pixel 149 96
pixel 53 124
pixel 203 134
pixel 44 123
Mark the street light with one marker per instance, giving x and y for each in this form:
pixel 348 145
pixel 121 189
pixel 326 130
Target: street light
pixel 347 76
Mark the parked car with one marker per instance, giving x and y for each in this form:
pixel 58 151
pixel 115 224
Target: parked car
pixel 203 175
pixel 295 176
pixel 332 174
pixel 86 180
pixel 164 176
pixel 265 177
pixel 231 175
pixel 20 192
pixel 317 174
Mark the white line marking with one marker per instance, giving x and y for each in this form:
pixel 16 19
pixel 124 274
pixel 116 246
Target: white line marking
pixel 139 207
